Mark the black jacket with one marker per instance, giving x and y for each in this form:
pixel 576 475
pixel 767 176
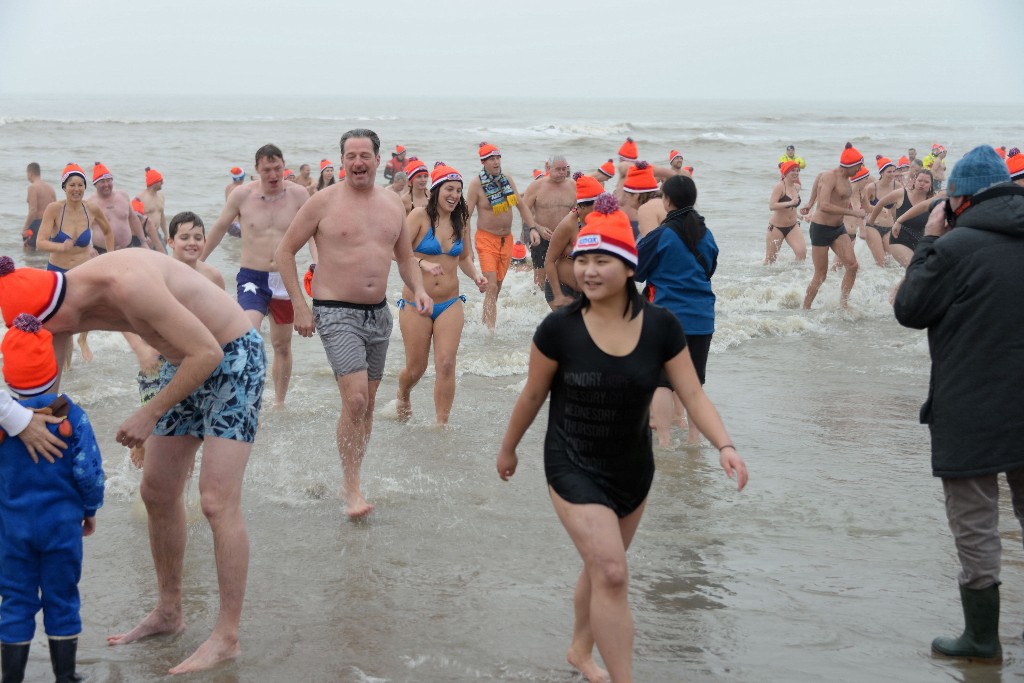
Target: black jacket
pixel 967 289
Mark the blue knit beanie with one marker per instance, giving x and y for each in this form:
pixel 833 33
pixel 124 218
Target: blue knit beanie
pixel 977 170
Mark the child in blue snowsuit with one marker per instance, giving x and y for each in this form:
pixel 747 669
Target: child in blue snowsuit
pixel 45 510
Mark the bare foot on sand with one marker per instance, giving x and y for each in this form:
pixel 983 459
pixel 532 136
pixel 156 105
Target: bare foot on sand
pixel 83 345
pixel 211 653
pixel 588 667
pixel 154 624
pixel 403 408
pixel 356 507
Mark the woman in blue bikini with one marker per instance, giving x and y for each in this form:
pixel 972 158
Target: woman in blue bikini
pixel 440 233
pixel 66 230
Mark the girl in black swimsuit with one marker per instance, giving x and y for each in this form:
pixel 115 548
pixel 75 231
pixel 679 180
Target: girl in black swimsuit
pixel 600 358
pixel 906 233
pixel 784 224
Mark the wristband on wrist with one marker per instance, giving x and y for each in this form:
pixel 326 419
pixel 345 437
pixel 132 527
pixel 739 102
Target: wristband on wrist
pixel 728 445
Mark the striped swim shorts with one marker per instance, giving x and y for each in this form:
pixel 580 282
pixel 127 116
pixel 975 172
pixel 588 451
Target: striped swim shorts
pixel 355 336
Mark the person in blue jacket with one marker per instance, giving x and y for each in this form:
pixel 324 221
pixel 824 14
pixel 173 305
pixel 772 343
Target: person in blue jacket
pixel 45 510
pixel 677 260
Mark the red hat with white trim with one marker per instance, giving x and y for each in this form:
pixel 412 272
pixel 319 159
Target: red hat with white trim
pixel 70 170
pixel 100 172
pixel 138 206
pixel 640 178
pixel 904 162
pixel 29 290
pixel 673 155
pixel 607 230
pixel 442 173
pixel 237 173
pixel 861 174
pixel 414 166
pixel 488 150
pixel 325 164
pixel 30 368
pixel 587 188
pixel 850 156
pixel 883 162
pixel 607 168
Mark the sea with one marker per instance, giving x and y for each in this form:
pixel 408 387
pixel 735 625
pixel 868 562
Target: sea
pixel 835 563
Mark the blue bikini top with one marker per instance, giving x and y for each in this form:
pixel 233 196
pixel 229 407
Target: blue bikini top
pixel 431 247
pixel 84 239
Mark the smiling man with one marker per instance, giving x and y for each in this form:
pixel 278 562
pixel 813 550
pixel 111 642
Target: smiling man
pixel 264 210
pixel 358 228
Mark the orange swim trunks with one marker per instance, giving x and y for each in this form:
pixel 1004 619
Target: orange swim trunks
pixel 495 253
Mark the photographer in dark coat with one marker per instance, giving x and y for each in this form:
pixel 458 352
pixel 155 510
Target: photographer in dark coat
pixel 965 285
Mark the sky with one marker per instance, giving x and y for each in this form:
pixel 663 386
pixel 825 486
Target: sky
pixel 855 50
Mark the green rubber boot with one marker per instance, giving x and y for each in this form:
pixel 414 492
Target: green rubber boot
pixel 980 639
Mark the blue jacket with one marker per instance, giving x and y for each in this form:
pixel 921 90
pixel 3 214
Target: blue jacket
pixel 680 283
pixel 70 489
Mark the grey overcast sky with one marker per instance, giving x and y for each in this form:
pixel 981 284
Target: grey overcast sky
pixel 872 50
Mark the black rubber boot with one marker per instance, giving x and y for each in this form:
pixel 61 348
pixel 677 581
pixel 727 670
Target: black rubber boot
pixel 980 639
pixel 13 658
pixel 62 655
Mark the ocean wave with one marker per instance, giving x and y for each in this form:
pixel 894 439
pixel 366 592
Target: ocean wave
pixel 150 120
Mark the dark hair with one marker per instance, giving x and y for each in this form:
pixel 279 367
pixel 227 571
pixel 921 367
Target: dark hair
pixel 64 183
pixel 320 184
pixel 34 169
pixel 361 133
pixel 460 216
pixel 184 217
pixel 682 192
pixel 931 186
pixel 302 167
pixel 269 152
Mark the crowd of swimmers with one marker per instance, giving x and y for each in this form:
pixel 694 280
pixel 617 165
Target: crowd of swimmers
pixel 615 361
pixel 887 212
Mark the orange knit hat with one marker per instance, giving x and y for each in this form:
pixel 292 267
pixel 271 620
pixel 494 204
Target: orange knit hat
pixel 152 177
pixel 30 368
pixel 442 173
pixel 883 162
pixel 237 173
pixel 29 290
pixel 1015 164
pixel 904 162
pixel 70 170
pixel 608 168
pixel 488 150
pixel 414 167
pixel 628 150
pixel 1001 151
pixel 399 150
pixel 860 175
pixel 587 188
pixel 640 178
pixel 100 172
pixel 537 173
pixel 288 173
pixel 607 230
pixel 341 173
pixel 519 251
pixel 138 206
pixel 688 169
pixel 850 156
pixel 325 164
pixel 787 166
pixel 673 155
